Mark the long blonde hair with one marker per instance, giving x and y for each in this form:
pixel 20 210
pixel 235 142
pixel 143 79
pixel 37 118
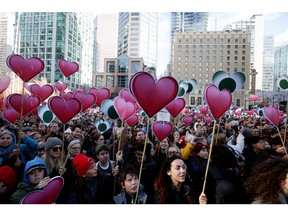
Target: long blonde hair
pixel 51 164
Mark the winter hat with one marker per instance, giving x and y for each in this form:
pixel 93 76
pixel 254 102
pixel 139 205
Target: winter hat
pixel 82 163
pixel 5 132
pixel 31 165
pixel 73 142
pixel 52 141
pixel 68 130
pixel 8 177
pixel 199 147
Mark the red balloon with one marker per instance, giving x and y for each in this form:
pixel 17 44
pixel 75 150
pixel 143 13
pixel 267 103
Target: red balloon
pixel 43 92
pixel 4 83
pixel 161 130
pixel 68 68
pixel 175 107
pixel 101 95
pixel 125 109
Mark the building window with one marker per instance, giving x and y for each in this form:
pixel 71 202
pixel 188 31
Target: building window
pixel 192 101
pixel 110 67
pixel 122 81
pixel 110 81
pixel 135 66
pixel 238 102
pixel 199 100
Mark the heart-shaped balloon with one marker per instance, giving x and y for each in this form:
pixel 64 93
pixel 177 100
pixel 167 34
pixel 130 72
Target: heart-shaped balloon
pixel 125 109
pixel 68 68
pixel 272 115
pixel 153 96
pixel 175 107
pixel 207 120
pixel 87 100
pixel 161 130
pixel 10 115
pixel 60 86
pixel 253 97
pixel 214 97
pixel 64 110
pixel 204 110
pixel 4 83
pixel 42 92
pixel 66 96
pixel 187 120
pixel 125 93
pixel 101 95
pixel 29 103
pixel 132 120
pixel 26 70
pixel 46 196
pixel 78 90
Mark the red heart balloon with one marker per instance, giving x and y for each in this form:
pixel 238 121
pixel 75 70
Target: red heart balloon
pixel 207 120
pixel 68 68
pixel 272 115
pixel 10 115
pixel 64 110
pixel 46 196
pixel 87 100
pixel 204 110
pixel 161 130
pixel 43 92
pixel 4 83
pixel 153 96
pixel 26 70
pixel 101 95
pixel 132 120
pixel 29 103
pixel 66 96
pixel 125 109
pixel 175 107
pixel 60 86
pixel 214 98
pixel 187 120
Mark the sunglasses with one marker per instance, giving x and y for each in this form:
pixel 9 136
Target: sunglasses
pixel 55 149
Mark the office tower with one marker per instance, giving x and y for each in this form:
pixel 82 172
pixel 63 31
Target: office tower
pixel 6 40
pixel 198 55
pixel 256 26
pixel 280 64
pixel 137 36
pixel 106 38
pixel 188 22
pixel 53 36
pixel 268 64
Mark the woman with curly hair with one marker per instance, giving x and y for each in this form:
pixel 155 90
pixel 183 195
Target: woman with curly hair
pixel 268 183
pixel 173 186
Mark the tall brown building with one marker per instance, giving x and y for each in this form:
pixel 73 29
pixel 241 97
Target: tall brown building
pixel 198 55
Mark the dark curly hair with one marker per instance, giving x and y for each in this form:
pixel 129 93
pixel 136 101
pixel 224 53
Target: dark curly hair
pixel 266 178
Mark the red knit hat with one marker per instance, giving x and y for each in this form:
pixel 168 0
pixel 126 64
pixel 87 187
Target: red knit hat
pixel 8 177
pixel 82 163
pixel 198 147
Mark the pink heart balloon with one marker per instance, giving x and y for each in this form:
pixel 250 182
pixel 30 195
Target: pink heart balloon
pixel 175 107
pixel 187 120
pixel 10 115
pixel 87 100
pixel 60 86
pixel 101 95
pixel 281 113
pixel 66 96
pixel 26 70
pixel 125 93
pixel 161 130
pixel 79 90
pixel 68 68
pixel 281 119
pixel 272 115
pixel 153 96
pixel 204 110
pixel 4 83
pixel 253 97
pixel 46 196
pixel 132 120
pixel 64 110
pixel 218 102
pixel 42 92
pixel 29 103
pixel 125 109
pixel 207 120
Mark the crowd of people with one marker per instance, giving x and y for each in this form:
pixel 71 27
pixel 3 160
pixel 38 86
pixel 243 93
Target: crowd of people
pixel 243 162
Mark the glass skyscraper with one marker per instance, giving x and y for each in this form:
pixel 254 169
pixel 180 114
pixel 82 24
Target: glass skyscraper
pixel 53 36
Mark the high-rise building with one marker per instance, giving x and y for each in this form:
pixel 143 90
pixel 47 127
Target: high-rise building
pixel 6 40
pixel 137 36
pixel 198 55
pixel 280 64
pixel 53 36
pixel 256 26
pixel 268 64
pixel 188 22
pixel 106 38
